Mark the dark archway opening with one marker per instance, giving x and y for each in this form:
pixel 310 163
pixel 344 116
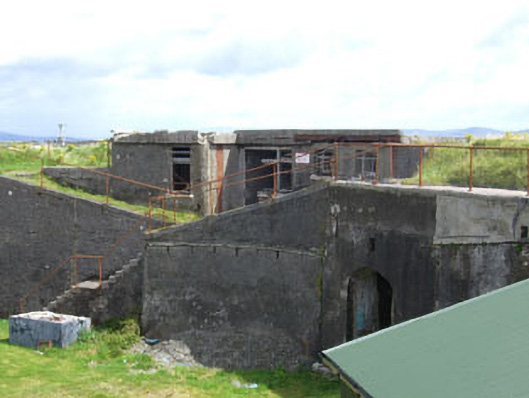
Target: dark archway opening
pixel 385 301
pixel 369 304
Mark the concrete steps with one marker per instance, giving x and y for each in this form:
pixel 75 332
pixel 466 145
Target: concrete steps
pixel 88 298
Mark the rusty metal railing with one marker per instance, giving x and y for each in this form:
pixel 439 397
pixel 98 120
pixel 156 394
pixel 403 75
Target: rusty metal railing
pixel 213 185
pixel 75 257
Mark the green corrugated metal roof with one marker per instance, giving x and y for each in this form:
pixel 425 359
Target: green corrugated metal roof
pixel 475 349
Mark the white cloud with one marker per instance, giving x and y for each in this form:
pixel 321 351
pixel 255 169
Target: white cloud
pixel 166 64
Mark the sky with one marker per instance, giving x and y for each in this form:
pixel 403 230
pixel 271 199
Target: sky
pixel 152 65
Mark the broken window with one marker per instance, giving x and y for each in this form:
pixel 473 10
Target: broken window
pixel 365 164
pixel 260 183
pixel 259 178
pixel 181 169
pixel 285 170
pixel 323 162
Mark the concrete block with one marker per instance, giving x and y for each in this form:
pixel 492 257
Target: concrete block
pixel 33 328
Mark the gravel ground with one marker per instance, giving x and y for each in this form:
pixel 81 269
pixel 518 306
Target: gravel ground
pixel 169 353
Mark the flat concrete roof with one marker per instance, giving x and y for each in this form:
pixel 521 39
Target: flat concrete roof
pixel 258 137
pixel 297 136
pixel 442 189
pixel 158 137
pixel 338 132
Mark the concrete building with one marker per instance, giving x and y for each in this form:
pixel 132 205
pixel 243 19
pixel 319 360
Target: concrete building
pixel 241 162
pixel 274 283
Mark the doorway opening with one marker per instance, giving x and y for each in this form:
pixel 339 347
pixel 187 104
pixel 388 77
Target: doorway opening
pixel 260 183
pixel 369 303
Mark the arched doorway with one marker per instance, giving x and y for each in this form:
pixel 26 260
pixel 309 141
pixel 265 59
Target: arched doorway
pixel 369 303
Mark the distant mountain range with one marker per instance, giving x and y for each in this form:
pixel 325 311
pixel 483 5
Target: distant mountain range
pixel 19 138
pixel 476 131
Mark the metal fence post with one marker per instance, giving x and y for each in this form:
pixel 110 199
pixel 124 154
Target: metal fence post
pixel 163 212
pixel 471 169
pixel 76 272
pixel 377 148
pixel 528 171
pixel 420 167
pixel 150 214
pixel 274 195
pixel 107 187
pixel 174 210
pixel 391 161
pixel 99 263
pixel 336 160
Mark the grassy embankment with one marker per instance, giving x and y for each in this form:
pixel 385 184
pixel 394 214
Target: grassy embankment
pixel 506 169
pixel 23 161
pixel 96 366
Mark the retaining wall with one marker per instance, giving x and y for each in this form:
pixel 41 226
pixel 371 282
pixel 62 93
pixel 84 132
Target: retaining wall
pixel 404 234
pixel 235 306
pixel 41 228
pixel 79 178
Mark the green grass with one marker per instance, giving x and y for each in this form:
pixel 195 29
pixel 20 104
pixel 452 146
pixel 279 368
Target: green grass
pixel 22 156
pixel 96 366
pixel 505 169
pixel 22 161
pixel 181 217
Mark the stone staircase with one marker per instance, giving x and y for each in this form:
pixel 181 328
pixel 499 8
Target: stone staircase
pixel 118 296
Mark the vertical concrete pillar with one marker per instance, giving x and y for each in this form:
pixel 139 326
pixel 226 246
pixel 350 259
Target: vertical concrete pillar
pixel 220 175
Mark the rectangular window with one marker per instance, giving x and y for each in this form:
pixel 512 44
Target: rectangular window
pixel 285 170
pixel 181 169
pixel 365 165
pixel 260 173
pixel 323 162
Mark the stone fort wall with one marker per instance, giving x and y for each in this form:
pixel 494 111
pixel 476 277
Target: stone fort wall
pixel 41 228
pixel 434 247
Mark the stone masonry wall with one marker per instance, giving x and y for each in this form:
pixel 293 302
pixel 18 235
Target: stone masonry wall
pixel 152 164
pixel 404 234
pixel 41 228
pixel 78 178
pixel 297 220
pixel 234 306
pixel 120 296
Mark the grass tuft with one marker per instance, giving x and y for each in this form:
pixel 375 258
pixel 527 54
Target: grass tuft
pixel 25 158
pixel 504 169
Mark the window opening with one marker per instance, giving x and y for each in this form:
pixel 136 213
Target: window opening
pixel 323 162
pixel 285 170
pixel 259 183
pixel 181 169
pixel 365 165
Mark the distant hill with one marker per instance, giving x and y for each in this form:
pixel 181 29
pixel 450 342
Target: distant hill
pixel 20 138
pixel 455 133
